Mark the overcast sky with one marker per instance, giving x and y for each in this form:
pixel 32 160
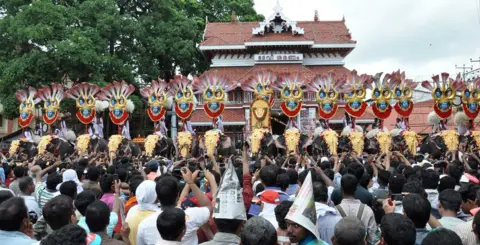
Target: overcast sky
pixel 422 37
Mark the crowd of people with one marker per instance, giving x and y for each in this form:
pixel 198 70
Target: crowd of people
pixel 389 199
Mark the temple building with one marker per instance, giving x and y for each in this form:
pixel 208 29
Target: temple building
pixel 239 50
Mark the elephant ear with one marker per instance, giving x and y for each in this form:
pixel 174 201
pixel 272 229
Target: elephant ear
pixel 305 141
pixel 280 142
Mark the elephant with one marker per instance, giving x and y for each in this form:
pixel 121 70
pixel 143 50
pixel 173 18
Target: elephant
pixel 29 148
pixel 214 142
pixel 61 147
pixel 434 145
pixel 129 147
pixel 262 141
pixel 188 140
pixel 292 141
pixel 98 145
pixel 164 147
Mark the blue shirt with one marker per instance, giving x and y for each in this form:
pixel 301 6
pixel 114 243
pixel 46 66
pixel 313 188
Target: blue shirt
pixel 255 209
pixel 113 222
pixel 421 234
pixel 15 237
pixel 310 240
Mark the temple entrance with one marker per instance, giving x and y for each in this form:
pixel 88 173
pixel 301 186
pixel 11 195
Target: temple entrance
pixel 279 123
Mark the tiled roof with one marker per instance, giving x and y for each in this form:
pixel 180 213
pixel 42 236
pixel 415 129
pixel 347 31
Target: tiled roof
pixel 242 74
pixel 229 115
pixel 237 33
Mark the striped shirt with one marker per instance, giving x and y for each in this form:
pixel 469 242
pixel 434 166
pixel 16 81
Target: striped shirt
pixel 464 231
pixel 43 195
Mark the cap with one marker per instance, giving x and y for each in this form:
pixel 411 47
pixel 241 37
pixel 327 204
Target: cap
pixel 324 159
pixel 152 164
pixel 271 197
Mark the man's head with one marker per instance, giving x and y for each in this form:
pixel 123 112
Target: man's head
pixel 293 175
pixel 383 177
pixel 69 188
pixel 107 183
pixel 5 195
pixel 430 179
pixel 349 231
pixel 356 169
pixel 268 175
pixel 53 180
pixel 84 199
pixel 397 230
pixel 296 232
pixel 231 226
pixel 414 187
pixel 59 212
pixel 442 237
pixel 152 166
pixel 446 182
pixel 396 183
pixel 449 201
pixel 97 216
pixel 67 235
pixel 26 185
pixel 167 191
pixel 171 224
pixel 19 172
pixel 469 195
pixel 417 208
pixel 320 192
pixel 93 174
pixel 258 231
pixel 13 215
pixel 281 211
pixel 349 184
pixel 283 181
pixel 134 185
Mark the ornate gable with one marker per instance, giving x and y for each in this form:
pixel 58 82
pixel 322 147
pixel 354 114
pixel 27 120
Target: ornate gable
pixel 277 23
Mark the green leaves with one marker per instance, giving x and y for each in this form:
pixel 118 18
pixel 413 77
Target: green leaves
pixel 99 41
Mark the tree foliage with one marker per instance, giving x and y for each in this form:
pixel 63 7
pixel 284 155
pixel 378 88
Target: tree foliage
pixel 98 41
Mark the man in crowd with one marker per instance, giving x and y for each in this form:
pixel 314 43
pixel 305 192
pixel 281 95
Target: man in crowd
pixel 349 231
pixel 449 203
pixel 15 226
pixel 258 231
pixel 27 188
pixel 327 217
pixel 397 230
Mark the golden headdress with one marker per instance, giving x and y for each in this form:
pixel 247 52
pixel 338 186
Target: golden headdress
pixel 51 96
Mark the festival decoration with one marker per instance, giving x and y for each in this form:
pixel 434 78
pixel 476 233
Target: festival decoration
pixel 290 89
pixel 151 143
pixel 292 137
pixel 84 95
pixel 214 90
pixel 403 94
pixel 44 142
pixel 156 94
pixel 27 106
pixel 381 95
pixel 51 96
pixel 113 143
pixel 261 86
pixel 355 92
pixel 331 139
pixel 82 144
pixel 184 139
pixel 357 142
pixel 256 139
pixel 13 147
pixel 211 140
pixel 184 97
pixel 471 98
pixel 443 92
pixel 411 140
pixel 116 94
pixel 327 90
pixel 450 137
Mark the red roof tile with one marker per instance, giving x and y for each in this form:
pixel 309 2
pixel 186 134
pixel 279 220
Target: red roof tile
pixel 321 32
pixel 229 115
pixel 242 74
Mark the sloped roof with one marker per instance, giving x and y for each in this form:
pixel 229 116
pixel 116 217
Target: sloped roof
pixel 237 33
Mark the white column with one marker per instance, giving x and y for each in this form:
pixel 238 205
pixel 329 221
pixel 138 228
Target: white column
pixel 247 124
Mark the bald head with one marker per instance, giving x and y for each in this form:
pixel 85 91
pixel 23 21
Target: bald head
pixel 349 231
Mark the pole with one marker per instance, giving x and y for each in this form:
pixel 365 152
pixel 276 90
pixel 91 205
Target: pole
pixel 464 68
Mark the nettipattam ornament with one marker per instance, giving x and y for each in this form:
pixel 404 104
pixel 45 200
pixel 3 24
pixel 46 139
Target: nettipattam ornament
pixel 51 96
pixel 327 90
pixel 185 101
pixel 355 93
pixel 443 92
pixel 27 106
pixel 213 89
pixel 157 95
pixel 261 85
pixel 116 94
pixel 291 92
pixel 84 95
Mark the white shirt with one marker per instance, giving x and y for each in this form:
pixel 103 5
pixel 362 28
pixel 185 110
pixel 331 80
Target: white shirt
pixel 32 206
pixel 195 217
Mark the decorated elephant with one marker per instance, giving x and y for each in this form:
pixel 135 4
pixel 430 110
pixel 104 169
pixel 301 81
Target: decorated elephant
pixel 159 145
pixel 87 144
pixel 441 140
pixel 292 141
pixel 216 143
pixel 23 146
pixel 404 141
pixel 55 145
pixel 187 145
pixel 262 141
pixel 351 140
pixel 121 146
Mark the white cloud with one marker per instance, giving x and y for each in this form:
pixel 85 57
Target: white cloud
pixel 422 37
